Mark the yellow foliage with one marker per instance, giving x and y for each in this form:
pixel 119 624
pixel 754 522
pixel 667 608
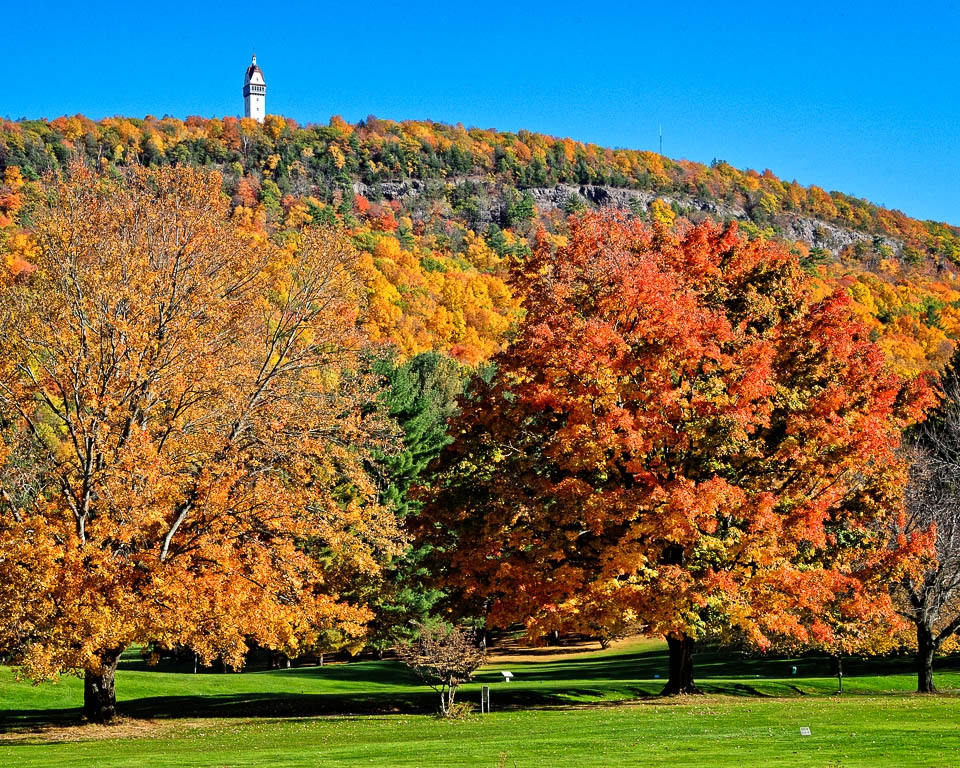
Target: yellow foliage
pixel 662 213
pixel 863 299
pixel 387 248
pixel 274 125
pixel 341 125
pixel 298 215
pixel 12 177
pixel 200 386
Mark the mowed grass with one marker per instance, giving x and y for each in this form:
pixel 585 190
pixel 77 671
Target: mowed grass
pixel 575 709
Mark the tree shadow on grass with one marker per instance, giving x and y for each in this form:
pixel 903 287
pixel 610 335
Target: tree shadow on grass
pixel 239 705
pixel 30 719
pixel 388 671
pixel 577 682
pixel 417 701
pixel 383 672
pixel 654 663
pixel 735 689
pixel 279 705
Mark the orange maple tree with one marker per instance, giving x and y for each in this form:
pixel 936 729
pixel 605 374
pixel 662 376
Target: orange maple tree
pixel 185 423
pixel 681 437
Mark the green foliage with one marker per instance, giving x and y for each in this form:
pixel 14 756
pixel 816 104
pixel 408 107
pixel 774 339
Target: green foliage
pixel 431 264
pixel 574 204
pixel 421 396
pixel 270 197
pixel 321 214
pixel 815 258
pixel 517 207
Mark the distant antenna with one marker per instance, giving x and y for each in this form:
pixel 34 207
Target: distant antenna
pixel 661 138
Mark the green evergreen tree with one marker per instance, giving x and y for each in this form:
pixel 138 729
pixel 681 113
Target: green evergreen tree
pixel 421 397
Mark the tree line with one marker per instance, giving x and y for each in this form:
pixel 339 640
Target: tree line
pixel 299 160
pixel 441 210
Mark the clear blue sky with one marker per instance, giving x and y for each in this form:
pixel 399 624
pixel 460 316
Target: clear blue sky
pixel 861 97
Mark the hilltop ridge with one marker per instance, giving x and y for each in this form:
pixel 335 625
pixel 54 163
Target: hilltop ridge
pixel 438 207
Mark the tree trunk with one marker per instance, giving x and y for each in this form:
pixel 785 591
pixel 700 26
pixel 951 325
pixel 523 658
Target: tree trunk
pixel 926 647
pixel 99 695
pixel 681 666
pixel 836 663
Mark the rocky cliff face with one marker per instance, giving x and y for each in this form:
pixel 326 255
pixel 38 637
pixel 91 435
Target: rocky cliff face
pixel 632 199
pixel 816 233
pixel 828 236
pixel 389 190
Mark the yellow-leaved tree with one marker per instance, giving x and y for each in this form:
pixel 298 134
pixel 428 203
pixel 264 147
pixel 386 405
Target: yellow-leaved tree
pixel 185 420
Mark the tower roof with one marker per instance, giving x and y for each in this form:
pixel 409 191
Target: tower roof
pixel 252 71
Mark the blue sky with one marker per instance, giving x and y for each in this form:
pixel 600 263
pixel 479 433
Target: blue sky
pixel 854 96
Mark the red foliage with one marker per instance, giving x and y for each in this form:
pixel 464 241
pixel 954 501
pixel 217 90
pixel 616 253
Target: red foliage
pixel 360 204
pixel 680 433
pixel 248 192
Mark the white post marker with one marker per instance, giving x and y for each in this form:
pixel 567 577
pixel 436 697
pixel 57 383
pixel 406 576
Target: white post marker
pixel 485 699
pixel 506 676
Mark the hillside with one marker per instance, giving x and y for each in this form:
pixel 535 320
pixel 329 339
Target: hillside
pixel 438 210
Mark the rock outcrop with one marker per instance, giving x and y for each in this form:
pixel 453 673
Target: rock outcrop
pixel 814 232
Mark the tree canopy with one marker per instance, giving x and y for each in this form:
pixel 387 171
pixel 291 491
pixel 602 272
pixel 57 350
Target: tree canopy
pixel 185 432
pixel 420 395
pixel 682 435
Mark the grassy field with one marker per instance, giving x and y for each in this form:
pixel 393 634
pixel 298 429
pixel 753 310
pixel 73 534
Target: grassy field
pixel 567 709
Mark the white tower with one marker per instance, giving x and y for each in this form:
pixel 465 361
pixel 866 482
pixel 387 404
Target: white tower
pixel 254 92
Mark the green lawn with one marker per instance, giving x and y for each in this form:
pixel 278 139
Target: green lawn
pixel 595 709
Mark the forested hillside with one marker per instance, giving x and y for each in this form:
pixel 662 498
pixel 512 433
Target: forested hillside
pixel 436 209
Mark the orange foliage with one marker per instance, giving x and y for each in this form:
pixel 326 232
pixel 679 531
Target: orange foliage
pixel 197 417
pixel 680 430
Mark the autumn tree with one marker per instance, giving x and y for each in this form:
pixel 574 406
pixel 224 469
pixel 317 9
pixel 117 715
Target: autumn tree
pixel 858 617
pixel 680 435
pixel 930 597
pixel 444 657
pixel 185 429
